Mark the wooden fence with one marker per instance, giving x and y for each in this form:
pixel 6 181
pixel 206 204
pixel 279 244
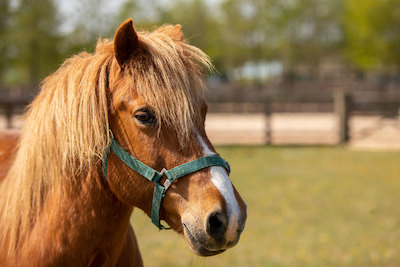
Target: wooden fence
pixel 342 104
pixel 10 106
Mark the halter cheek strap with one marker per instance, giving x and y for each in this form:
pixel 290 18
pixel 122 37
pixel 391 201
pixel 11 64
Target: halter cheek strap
pixel 155 176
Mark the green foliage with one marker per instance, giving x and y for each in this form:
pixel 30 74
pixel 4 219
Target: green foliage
pixel 360 33
pixel 200 26
pixel 33 41
pixel 238 31
pixel 4 22
pixel 307 206
pixel 91 20
pixel 244 37
pixel 372 31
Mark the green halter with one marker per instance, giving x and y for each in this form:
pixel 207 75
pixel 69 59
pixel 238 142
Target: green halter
pixel 155 176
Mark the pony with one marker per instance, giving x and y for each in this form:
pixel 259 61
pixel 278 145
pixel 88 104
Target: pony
pixel 67 192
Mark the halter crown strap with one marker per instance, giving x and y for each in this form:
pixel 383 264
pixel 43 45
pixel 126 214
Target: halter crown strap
pixel 155 176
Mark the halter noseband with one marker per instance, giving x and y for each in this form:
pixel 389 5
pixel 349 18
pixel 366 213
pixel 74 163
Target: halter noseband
pixel 155 176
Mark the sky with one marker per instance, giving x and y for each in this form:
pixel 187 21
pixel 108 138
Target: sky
pixel 68 9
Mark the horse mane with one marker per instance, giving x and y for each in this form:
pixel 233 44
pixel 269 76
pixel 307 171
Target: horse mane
pixel 66 126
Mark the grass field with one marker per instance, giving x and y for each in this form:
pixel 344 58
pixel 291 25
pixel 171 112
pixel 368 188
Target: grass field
pixel 307 206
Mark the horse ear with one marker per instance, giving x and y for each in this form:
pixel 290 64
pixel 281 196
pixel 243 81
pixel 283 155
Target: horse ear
pixel 177 32
pixel 126 42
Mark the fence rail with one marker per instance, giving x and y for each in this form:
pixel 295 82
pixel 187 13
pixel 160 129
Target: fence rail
pixel 10 105
pixel 342 104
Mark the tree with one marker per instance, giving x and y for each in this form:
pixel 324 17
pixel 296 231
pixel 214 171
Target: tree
pixel 34 40
pixel 294 32
pixel 243 36
pixel 91 19
pixel 200 26
pixel 4 24
pixel 372 30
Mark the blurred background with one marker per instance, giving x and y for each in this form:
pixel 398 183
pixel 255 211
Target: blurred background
pixel 305 93
pixel 288 71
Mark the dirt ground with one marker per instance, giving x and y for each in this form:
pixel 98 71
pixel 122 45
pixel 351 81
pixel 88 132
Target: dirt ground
pixel 366 132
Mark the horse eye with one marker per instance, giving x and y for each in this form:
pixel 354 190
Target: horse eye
pixel 145 116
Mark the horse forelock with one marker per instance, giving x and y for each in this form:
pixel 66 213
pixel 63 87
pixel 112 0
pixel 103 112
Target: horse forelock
pixel 66 127
pixel 168 76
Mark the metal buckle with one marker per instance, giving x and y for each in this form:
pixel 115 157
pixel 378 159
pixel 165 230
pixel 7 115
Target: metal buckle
pixel 167 182
pixel 163 171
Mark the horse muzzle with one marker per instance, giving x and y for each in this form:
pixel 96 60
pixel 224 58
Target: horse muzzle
pixel 214 235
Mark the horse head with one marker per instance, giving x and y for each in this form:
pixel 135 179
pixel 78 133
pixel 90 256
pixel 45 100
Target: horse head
pixel 157 115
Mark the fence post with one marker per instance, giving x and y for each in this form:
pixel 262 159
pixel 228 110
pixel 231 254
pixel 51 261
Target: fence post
pixel 8 113
pixel 267 113
pixel 342 109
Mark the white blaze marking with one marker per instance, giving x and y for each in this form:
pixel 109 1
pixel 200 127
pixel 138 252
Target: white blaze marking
pixel 221 181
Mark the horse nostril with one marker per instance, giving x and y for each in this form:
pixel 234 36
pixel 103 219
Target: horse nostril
pixel 216 225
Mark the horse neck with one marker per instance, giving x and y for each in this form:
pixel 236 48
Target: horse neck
pixel 88 223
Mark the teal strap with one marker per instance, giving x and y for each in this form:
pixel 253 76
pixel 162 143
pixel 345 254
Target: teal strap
pixel 158 195
pixel 155 176
pixel 104 160
pixel 195 165
pixel 134 163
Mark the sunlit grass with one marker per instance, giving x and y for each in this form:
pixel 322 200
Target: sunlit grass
pixel 306 207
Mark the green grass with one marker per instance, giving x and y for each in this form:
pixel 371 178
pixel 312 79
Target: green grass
pixel 307 206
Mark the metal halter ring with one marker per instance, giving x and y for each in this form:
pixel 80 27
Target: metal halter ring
pixel 167 182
